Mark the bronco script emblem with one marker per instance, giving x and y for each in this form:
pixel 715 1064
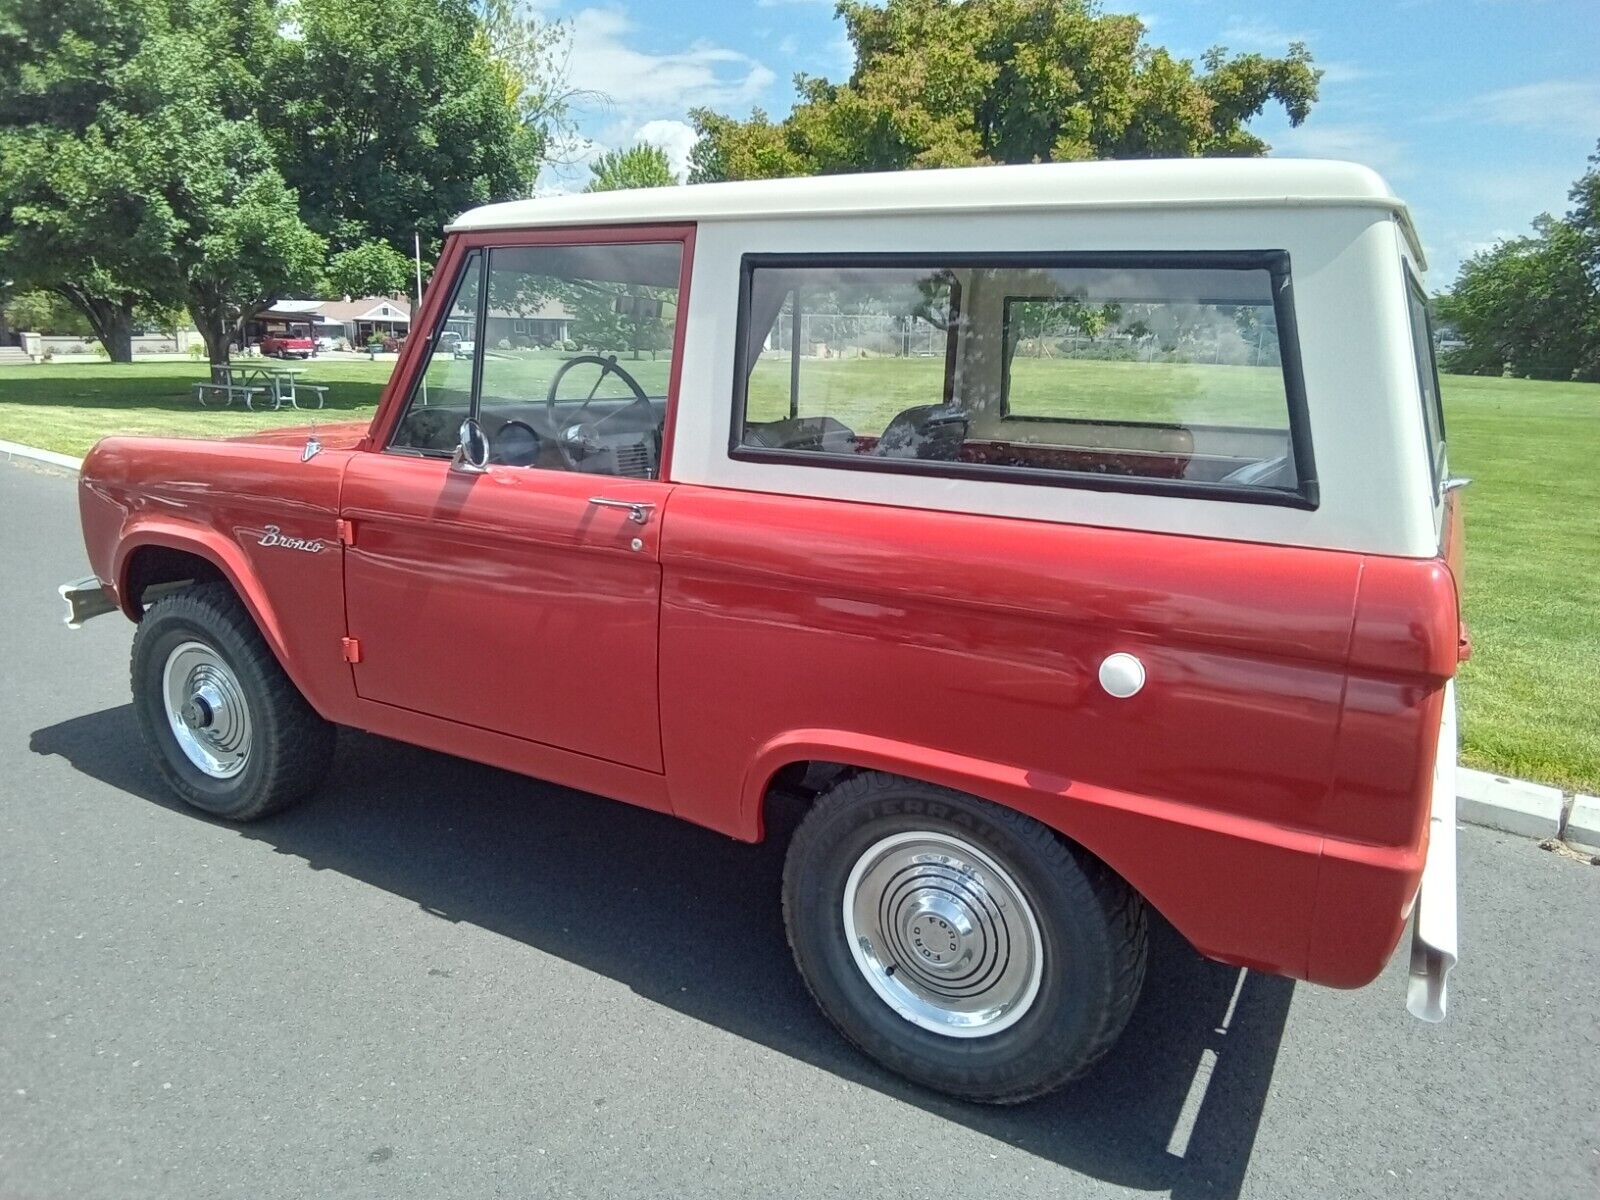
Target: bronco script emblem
pixel 276 537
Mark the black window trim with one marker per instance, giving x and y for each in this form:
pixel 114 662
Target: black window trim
pixel 1306 496
pixel 1438 457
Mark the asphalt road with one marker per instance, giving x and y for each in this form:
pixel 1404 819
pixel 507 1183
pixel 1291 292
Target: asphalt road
pixel 438 979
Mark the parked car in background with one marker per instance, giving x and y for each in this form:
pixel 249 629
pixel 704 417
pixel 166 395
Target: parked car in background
pixel 1070 540
pixel 325 343
pixel 296 342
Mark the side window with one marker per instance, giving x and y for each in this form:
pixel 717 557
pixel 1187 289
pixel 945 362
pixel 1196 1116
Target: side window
pixel 1146 372
pixel 1427 378
pixel 577 355
pixel 442 396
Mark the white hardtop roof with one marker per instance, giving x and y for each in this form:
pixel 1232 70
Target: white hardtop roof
pixel 1136 183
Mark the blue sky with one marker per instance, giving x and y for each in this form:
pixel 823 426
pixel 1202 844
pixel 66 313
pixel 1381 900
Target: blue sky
pixel 1479 112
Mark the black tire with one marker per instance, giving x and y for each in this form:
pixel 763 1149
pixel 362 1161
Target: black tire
pixel 1092 925
pixel 290 746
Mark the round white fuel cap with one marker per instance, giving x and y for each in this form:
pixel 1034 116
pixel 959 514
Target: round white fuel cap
pixel 1122 675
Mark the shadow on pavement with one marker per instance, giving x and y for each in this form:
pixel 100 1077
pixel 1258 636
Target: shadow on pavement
pixel 691 920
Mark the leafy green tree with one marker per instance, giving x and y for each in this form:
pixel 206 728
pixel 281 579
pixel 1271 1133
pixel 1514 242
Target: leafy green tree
pixel 532 54
pixel 132 170
pixel 45 312
pixel 397 121
pixel 76 218
pixel 245 244
pixel 1531 305
pixel 641 166
pixel 370 269
pixel 941 83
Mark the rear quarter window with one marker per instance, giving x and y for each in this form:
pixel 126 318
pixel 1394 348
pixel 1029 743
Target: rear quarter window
pixel 1170 373
pixel 1427 378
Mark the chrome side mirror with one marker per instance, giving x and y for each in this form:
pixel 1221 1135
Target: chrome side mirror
pixel 472 449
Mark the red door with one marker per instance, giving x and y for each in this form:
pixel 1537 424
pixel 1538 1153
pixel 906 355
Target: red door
pixel 508 601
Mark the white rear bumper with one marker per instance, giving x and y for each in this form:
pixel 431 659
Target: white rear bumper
pixel 1433 936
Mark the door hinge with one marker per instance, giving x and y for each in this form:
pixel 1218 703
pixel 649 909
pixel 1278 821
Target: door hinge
pixel 352 649
pixel 347 532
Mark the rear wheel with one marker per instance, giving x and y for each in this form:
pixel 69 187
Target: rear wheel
pixel 227 729
pixel 962 944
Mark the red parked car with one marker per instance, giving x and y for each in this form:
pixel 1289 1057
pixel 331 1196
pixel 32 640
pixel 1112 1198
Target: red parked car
pixel 1076 540
pixel 291 343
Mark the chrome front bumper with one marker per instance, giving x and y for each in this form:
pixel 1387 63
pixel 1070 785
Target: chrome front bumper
pixel 1433 933
pixel 86 598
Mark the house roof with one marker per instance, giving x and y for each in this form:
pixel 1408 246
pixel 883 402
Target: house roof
pixel 294 308
pixel 362 308
pixel 368 308
pixel 547 310
pixel 1142 183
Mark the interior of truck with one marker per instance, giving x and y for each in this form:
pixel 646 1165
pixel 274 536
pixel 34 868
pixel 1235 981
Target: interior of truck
pixel 1141 372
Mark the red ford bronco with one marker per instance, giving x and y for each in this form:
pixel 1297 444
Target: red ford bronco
pixel 1077 538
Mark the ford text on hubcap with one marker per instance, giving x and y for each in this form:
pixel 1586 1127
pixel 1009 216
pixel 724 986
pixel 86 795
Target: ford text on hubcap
pixel 943 934
pixel 206 710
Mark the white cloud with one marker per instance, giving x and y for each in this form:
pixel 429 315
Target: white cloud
pixel 642 84
pixel 1343 72
pixel 1564 104
pixel 1467 248
pixel 1259 35
pixel 675 138
pixel 1355 143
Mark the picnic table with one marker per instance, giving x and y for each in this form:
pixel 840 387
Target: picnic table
pixel 250 381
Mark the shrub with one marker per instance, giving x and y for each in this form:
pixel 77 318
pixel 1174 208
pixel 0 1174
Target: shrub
pixel 503 344
pixel 197 350
pixel 569 345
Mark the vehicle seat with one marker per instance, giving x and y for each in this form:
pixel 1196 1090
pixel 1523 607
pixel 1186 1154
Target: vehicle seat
pixel 928 431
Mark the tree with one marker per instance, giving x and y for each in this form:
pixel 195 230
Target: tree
pixel 1531 305
pixel 641 166
pixel 370 269
pixel 961 82
pixel 245 245
pixel 76 218
pixel 533 53
pixel 134 172
pixel 398 121
pixel 45 312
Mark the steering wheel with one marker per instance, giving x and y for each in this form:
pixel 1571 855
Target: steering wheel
pixel 575 438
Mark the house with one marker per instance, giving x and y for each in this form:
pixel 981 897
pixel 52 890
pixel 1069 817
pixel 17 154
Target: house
pixel 354 320
pixel 387 316
pixel 534 325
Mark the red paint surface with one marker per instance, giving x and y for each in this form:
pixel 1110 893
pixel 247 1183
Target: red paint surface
pixel 1267 791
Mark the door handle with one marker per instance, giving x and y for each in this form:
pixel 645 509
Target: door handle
pixel 638 513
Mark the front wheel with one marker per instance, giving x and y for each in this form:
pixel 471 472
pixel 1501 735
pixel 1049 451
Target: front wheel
pixel 228 730
pixel 961 944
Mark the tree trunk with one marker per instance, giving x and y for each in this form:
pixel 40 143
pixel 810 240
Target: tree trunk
pixel 118 337
pixel 210 317
pixel 111 318
pixel 218 337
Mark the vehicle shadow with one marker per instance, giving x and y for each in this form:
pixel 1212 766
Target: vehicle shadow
pixel 1174 1108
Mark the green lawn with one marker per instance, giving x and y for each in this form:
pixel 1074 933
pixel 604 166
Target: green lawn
pixel 68 408
pixel 1531 704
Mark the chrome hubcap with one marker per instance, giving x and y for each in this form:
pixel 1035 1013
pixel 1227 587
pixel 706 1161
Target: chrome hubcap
pixel 206 710
pixel 943 934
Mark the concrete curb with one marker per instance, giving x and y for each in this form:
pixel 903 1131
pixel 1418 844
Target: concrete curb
pixel 1493 801
pixel 1510 805
pixel 33 454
